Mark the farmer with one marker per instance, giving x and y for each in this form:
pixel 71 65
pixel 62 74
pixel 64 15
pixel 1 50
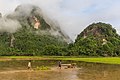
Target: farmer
pixel 59 64
pixel 29 64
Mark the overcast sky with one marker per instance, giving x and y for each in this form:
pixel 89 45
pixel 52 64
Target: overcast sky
pixel 73 15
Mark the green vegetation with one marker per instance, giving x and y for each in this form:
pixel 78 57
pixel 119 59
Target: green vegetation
pixel 27 43
pixel 42 68
pixel 98 39
pixel 107 60
pixel 30 41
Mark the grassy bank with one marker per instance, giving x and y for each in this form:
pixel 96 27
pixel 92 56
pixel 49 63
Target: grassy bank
pixel 108 60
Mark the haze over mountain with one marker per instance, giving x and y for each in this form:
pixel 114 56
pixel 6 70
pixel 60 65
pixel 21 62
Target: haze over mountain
pixel 72 15
pixel 26 15
pixel 27 31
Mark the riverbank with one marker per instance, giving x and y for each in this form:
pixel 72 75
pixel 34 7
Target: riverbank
pixel 107 60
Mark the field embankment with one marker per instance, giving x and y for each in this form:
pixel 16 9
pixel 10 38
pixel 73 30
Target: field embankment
pixel 107 60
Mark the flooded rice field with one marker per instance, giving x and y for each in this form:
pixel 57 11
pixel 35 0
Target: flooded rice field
pixel 17 70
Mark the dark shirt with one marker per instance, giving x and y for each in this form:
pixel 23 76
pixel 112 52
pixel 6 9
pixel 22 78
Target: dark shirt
pixel 59 63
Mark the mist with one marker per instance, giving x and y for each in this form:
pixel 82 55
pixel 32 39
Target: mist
pixel 73 16
pixel 9 25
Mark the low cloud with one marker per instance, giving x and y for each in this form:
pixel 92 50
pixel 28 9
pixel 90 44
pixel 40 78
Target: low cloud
pixel 9 25
pixel 73 15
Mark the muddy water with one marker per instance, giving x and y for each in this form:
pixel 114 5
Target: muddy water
pixel 17 70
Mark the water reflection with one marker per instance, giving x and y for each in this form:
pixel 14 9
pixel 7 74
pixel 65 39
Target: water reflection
pixel 17 70
pixel 100 72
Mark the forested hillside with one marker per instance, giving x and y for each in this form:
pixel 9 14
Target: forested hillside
pixel 98 39
pixel 28 31
pixel 38 35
